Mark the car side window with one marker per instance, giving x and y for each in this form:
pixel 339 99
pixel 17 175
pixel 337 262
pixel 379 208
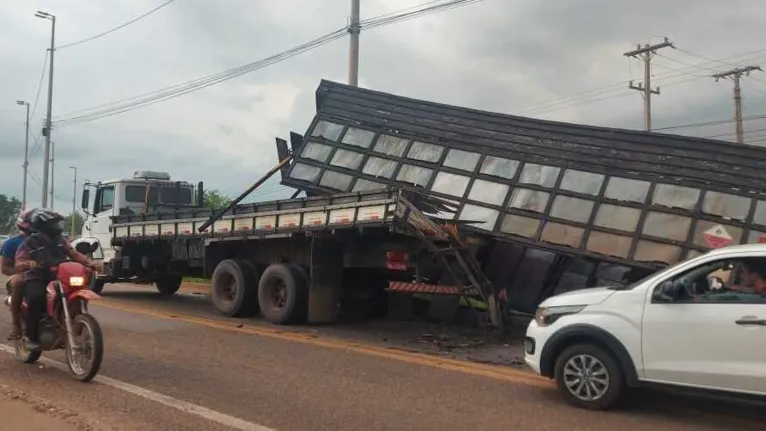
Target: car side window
pixel 741 280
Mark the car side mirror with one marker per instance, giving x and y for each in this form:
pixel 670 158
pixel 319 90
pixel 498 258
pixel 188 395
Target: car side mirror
pixel 85 199
pixel 667 291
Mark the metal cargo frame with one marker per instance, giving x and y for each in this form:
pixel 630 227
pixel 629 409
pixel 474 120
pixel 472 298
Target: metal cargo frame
pixel 724 183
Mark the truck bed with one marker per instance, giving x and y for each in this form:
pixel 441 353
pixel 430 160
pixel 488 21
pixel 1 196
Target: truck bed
pixel 388 208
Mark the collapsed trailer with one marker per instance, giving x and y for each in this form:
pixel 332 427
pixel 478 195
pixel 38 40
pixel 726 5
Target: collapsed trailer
pixel 407 197
pixel 557 206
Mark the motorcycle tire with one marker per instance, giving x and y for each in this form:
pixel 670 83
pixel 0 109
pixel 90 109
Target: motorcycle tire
pixel 91 324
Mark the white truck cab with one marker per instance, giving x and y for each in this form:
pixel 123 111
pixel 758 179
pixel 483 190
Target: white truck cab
pixel 146 192
pixel 700 324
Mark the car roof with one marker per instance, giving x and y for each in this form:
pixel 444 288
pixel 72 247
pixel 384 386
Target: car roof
pixel 743 248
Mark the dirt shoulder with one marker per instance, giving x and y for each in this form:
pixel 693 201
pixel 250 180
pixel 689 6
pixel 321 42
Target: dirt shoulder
pixel 22 411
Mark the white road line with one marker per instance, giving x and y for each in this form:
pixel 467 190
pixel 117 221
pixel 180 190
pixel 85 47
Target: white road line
pixel 186 407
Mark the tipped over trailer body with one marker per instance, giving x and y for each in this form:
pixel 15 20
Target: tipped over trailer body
pixel 557 206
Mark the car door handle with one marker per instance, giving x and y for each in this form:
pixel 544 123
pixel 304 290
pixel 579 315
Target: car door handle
pixel 761 322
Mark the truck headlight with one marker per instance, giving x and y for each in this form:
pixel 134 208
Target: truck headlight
pixel 545 316
pixel 77 281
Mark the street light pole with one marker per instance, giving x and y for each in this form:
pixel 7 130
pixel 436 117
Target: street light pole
pixel 74 204
pixel 53 178
pixel 47 127
pixel 26 157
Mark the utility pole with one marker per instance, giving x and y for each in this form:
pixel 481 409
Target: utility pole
pixel 48 126
pixel 52 177
pixel 353 52
pixel 26 158
pixel 74 204
pixel 645 54
pixel 735 75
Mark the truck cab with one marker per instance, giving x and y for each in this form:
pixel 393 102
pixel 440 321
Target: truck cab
pixel 147 192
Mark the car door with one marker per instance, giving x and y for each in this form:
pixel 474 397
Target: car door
pixel 716 344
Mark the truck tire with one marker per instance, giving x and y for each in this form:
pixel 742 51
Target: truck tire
pixel 594 367
pixel 233 288
pixel 283 294
pixel 168 285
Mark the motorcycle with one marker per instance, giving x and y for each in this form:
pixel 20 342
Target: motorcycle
pixel 66 323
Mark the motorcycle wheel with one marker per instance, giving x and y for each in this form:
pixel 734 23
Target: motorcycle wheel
pixel 85 362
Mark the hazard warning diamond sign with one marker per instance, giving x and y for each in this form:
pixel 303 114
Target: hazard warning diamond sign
pixel 717 237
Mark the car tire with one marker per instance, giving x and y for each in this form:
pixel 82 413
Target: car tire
pixel 601 381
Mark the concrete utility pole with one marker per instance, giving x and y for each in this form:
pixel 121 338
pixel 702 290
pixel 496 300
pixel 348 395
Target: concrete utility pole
pixel 74 202
pixel 47 126
pixel 26 158
pixel 353 52
pixel 53 160
pixel 735 75
pixel 646 53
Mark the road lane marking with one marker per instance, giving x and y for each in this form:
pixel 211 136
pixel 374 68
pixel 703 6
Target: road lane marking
pixel 184 406
pixel 490 371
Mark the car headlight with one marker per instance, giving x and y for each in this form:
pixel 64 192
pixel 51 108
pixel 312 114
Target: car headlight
pixel 545 316
pixel 77 281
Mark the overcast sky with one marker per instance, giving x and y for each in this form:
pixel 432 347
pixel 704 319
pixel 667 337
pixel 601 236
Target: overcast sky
pixel 508 56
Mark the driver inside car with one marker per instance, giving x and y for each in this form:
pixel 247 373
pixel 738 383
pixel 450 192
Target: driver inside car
pixel 752 285
pixel 44 246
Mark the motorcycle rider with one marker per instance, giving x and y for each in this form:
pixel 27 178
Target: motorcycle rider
pixel 15 283
pixel 43 246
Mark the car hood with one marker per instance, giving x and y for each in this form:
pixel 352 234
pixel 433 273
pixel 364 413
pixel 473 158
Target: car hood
pixel 592 296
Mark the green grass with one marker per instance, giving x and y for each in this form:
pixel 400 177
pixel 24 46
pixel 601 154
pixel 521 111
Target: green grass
pixel 196 280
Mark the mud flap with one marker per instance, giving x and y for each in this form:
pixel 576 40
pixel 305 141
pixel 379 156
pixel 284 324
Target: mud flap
pixel 326 284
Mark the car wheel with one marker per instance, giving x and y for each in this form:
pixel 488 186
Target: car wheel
pixel 588 376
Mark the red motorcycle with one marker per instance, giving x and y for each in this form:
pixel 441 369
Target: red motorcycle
pixel 66 324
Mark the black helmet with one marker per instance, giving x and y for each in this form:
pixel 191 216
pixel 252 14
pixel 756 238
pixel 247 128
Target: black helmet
pixel 46 221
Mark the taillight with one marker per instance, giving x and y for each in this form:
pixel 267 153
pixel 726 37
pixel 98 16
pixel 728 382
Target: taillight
pixel 396 260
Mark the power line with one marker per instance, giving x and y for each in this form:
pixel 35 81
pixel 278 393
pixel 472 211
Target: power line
pixel 620 85
pixel 135 102
pixel 198 84
pixel 40 84
pixel 116 28
pixel 713 122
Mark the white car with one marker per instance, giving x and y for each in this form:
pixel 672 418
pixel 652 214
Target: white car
pixel 688 325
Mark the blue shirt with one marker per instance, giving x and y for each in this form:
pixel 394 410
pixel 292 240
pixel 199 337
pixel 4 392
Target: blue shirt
pixel 10 246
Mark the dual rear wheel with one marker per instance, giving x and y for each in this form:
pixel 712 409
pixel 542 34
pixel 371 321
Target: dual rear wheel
pixel 280 292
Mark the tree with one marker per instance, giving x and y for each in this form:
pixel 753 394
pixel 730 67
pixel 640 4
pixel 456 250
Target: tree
pixel 78 221
pixel 215 199
pixel 9 211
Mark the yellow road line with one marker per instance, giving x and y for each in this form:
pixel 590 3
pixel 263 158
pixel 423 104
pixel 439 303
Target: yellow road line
pixel 494 372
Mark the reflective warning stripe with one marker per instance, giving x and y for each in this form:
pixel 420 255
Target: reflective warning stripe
pixel 439 289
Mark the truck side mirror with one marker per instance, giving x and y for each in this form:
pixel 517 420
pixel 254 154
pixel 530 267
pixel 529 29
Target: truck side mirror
pixel 85 199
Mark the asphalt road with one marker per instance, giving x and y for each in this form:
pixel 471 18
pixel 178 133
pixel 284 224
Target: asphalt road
pixel 171 364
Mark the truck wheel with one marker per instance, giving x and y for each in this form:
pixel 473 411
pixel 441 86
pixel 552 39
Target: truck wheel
pixel 283 294
pixel 96 285
pixel 168 285
pixel 233 288
pixel 589 377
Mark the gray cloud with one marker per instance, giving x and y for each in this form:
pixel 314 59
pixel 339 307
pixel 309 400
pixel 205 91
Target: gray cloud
pixel 499 55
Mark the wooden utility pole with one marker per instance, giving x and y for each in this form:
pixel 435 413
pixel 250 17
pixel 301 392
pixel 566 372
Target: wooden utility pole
pixel 735 75
pixel 645 53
